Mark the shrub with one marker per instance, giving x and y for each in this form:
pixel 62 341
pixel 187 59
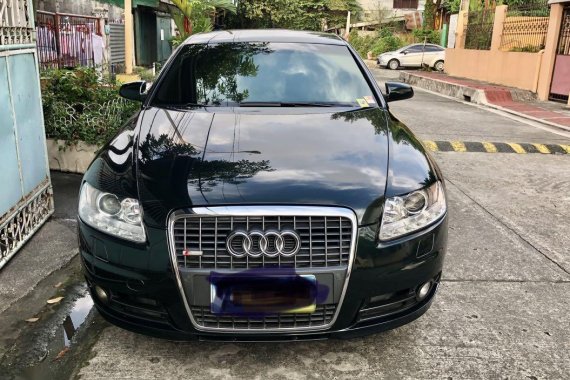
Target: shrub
pixel 427 35
pixel 384 41
pixel 79 107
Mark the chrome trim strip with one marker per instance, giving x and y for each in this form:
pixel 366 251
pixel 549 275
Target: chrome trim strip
pixel 263 211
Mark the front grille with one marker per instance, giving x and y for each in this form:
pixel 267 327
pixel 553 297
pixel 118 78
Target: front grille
pixel 322 316
pixel 325 241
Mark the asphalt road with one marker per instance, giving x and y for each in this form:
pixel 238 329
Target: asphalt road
pixel 503 307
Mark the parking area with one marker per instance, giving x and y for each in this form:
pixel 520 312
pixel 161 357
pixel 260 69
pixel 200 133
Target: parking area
pixel 502 309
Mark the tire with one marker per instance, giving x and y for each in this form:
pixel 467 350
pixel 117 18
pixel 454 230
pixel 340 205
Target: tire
pixel 393 64
pixel 439 65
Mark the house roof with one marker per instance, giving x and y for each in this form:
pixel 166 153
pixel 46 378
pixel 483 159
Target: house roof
pixel 265 35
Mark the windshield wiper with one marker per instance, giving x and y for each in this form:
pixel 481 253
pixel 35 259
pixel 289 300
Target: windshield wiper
pixel 293 104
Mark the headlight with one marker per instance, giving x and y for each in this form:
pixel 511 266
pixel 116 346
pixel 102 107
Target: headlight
pixel 107 213
pixel 412 212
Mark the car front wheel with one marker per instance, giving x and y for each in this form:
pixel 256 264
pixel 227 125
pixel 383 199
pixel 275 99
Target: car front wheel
pixel 394 64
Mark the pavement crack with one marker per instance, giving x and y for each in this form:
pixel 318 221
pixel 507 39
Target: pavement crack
pixel 506 226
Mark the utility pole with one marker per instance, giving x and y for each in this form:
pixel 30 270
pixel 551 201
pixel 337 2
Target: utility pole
pixel 347 32
pixel 129 34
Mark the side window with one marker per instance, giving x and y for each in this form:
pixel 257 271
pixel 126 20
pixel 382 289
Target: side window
pixel 433 48
pixel 415 49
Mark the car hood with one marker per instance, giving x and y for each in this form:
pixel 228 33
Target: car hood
pixel 388 53
pixel 207 157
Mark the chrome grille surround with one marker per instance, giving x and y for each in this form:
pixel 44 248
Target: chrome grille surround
pixel 325 241
pixel 264 211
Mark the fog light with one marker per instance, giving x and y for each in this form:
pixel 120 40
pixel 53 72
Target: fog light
pixel 423 290
pixel 101 294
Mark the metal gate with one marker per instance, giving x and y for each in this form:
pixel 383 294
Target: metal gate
pixel 117 47
pixel 163 30
pixel 25 196
pixel 560 88
pixel 65 40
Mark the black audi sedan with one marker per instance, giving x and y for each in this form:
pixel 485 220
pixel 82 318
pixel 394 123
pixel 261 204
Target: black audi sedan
pixel 263 192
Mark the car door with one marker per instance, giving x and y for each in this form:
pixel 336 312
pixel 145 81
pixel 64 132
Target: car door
pixel 412 56
pixel 431 54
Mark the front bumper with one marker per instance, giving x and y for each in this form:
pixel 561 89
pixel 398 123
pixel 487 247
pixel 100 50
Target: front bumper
pixel 145 298
pixel 383 61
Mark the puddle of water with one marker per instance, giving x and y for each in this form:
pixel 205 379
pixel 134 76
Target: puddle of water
pixel 74 320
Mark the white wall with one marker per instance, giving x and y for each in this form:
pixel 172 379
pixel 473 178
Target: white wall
pixel 370 9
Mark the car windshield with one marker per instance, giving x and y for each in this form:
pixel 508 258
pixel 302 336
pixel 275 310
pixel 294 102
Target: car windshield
pixel 264 74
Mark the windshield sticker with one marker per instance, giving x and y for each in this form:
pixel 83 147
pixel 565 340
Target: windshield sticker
pixel 370 99
pixel 362 103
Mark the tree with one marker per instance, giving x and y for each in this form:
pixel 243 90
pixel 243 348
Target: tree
pixel 293 14
pixel 430 13
pixel 195 16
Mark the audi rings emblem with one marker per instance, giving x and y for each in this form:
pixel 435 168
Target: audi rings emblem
pixel 269 243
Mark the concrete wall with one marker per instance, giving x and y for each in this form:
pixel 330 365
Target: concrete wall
pixel 528 71
pixel 80 7
pixel 373 10
pixel 520 70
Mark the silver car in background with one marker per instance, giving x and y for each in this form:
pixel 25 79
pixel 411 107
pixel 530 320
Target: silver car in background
pixel 414 55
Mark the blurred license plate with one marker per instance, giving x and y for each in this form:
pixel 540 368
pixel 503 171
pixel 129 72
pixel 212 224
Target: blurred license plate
pixel 263 295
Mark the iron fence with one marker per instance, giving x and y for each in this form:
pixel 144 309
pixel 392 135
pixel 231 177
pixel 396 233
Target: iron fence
pixel 15 25
pixel 526 27
pixel 65 40
pixel 564 42
pixel 479 29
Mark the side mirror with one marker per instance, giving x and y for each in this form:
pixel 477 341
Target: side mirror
pixel 398 91
pixel 134 91
pixel 405 52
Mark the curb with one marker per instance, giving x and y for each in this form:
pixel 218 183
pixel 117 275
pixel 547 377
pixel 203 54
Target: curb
pixel 528 117
pixel 454 90
pixel 473 95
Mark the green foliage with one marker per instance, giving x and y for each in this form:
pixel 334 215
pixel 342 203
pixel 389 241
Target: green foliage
pixel 427 35
pixel 293 14
pixel 429 15
pixel 144 73
pixel 177 40
pixel 199 13
pixel 527 49
pixel 384 41
pixel 79 107
pixel 452 6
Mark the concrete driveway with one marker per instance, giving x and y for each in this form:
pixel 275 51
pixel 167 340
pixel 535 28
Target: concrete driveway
pixel 503 307
pixel 502 311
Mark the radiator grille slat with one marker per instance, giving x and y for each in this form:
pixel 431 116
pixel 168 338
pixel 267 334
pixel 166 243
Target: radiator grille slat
pixel 325 241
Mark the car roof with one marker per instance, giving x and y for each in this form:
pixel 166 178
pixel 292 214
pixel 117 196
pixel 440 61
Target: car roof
pixel 265 35
pixel 421 44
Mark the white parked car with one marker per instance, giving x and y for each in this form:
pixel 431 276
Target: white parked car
pixel 413 56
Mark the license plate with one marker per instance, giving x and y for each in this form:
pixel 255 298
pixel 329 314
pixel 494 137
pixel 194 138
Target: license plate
pixel 263 295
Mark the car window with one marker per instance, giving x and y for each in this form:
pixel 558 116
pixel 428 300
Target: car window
pixel 433 48
pixel 415 49
pixel 228 74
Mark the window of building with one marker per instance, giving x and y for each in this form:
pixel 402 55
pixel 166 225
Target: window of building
pixel 405 4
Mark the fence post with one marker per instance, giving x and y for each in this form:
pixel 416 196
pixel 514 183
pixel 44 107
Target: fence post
pixel 549 56
pixel 498 25
pixel 460 33
pixel 56 34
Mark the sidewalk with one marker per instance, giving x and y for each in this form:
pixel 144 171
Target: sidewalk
pixel 518 102
pixel 50 249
